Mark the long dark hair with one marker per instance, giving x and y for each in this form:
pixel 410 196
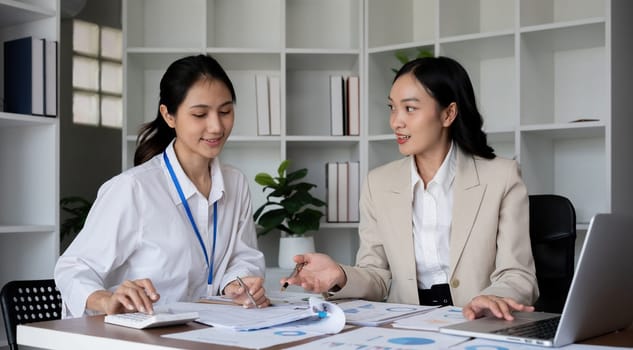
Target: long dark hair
pixel 179 77
pixel 447 81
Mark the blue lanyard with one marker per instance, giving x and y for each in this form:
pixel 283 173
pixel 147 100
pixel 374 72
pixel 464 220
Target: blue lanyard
pixel 193 222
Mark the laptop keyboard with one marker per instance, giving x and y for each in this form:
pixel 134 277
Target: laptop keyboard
pixel 542 329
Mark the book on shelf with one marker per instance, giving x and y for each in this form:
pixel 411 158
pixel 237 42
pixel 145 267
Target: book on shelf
pixel 336 105
pixel 50 78
pixel 343 187
pixel 262 103
pixel 353 191
pixel 343 191
pixel 353 106
pixel 331 170
pixel 344 105
pixel 274 103
pixel 24 76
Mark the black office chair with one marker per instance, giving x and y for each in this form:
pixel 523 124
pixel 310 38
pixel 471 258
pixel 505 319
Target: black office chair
pixel 28 301
pixel 553 236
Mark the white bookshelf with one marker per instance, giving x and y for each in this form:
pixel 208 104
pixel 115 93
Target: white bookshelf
pixel 301 41
pixel 29 154
pixel 536 65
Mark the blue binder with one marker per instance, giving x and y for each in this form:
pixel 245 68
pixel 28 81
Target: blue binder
pixel 24 76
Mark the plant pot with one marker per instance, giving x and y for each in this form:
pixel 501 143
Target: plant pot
pixel 291 246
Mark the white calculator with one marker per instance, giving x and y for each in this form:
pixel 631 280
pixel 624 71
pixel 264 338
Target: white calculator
pixel 141 320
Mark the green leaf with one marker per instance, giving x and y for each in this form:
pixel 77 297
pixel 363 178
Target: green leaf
pixel 265 180
pixel 297 201
pixel 402 57
pixel 424 53
pixel 272 218
pixel 296 175
pixel 282 168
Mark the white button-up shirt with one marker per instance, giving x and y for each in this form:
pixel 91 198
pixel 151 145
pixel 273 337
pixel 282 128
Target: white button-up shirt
pixel 138 228
pixel 432 210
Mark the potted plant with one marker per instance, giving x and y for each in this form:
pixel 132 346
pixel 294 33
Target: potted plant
pixel 291 209
pixel 76 209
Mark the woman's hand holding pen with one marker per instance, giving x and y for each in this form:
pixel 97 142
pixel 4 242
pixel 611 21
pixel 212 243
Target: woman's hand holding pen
pixel 316 272
pixel 253 290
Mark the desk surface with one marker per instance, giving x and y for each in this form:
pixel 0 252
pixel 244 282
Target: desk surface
pixel 92 333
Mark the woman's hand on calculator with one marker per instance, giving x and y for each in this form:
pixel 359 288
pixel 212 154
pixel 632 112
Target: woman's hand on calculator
pixel 137 295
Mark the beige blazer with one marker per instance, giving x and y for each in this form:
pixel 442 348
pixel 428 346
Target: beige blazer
pixel 490 248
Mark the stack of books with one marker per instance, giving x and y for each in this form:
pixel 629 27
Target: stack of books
pixel 343 191
pixel 30 76
pixel 344 105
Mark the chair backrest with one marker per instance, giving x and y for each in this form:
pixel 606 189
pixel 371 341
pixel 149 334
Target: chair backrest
pixel 553 236
pixel 28 301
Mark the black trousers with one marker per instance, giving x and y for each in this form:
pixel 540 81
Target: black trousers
pixel 439 294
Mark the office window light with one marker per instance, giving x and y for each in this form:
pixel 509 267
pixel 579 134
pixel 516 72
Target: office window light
pixel 85 108
pixel 97 75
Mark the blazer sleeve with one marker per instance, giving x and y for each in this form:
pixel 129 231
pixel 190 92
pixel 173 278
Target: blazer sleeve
pixel 514 274
pixel 370 278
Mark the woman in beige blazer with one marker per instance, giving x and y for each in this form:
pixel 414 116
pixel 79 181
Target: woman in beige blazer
pixel 450 212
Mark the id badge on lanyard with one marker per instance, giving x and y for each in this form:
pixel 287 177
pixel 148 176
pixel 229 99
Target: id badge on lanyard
pixel 210 288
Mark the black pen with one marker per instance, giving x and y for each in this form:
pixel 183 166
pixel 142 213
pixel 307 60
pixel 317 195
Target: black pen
pixel 294 272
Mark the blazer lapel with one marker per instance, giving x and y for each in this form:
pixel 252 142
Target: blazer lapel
pixel 467 198
pixel 398 206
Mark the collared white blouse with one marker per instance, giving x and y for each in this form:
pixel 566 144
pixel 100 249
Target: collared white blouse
pixel 138 228
pixel 432 214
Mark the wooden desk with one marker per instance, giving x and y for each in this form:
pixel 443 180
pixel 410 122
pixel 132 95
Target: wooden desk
pixel 92 333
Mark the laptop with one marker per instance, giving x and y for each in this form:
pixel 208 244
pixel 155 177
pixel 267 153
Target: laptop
pixel 600 298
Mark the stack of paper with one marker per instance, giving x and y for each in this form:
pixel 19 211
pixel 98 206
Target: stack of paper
pixel 324 318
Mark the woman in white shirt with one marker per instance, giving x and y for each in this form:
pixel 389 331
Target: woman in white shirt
pixel 178 226
pixel 448 224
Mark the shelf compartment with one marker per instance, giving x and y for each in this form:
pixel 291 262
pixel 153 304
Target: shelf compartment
pixel 416 22
pixel 164 23
pixel 552 91
pixel 251 158
pixel 537 12
pixel 460 17
pixel 491 66
pixel 552 159
pixel 239 23
pixel 20 12
pixel 381 66
pixel 145 70
pixel 308 90
pixel 24 255
pixel 325 24
pixel 313 155
pixel 242 69
pixel 30 189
